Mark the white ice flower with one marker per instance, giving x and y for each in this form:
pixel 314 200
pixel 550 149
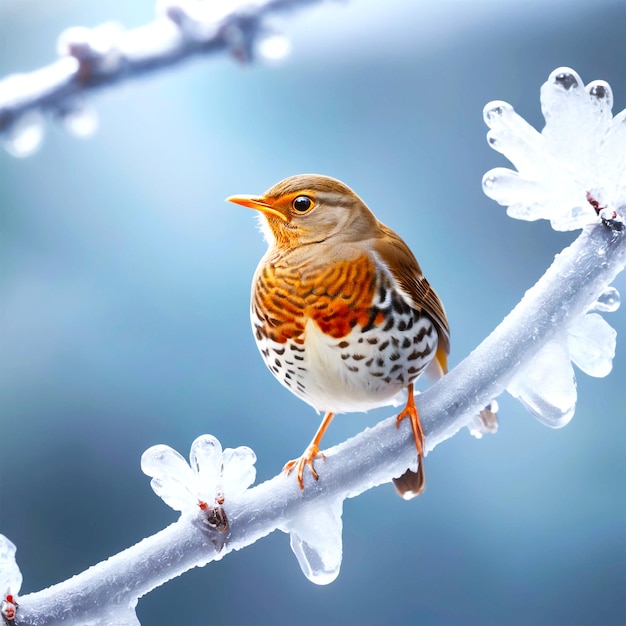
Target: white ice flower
pixel 211 476
pixel 10 580
pixel 573 173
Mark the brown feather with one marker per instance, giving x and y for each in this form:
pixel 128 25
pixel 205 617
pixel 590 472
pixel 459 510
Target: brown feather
pixel 309 183
pixel 406 270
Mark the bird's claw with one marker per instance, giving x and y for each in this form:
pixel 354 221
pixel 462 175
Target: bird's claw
pixel 410 411
pixel 406 412
pixel 306 459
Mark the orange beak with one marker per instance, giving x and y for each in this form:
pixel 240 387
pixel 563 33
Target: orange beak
pixel 260 204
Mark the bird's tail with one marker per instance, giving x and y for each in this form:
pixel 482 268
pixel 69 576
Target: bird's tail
pixel 411 483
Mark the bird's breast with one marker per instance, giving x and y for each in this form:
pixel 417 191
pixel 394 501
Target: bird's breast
pixel 336 296
pixel 340 335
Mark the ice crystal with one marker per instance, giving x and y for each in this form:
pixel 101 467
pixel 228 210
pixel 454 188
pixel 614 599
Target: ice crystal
pixel 79 118
pixel 547 386
pixel 316 540
pixel 210 477
pixel 573 173
pixel 273 45
pixel 25 136
pixel 591 343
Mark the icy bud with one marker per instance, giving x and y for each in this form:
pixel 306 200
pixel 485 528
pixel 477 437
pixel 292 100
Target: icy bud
pixel 195 20
pixel 315 534
pixel 573 173
pixel 211 476
pixel 10 579
pixel 272 45
pixel 24 137
pixel 97 50
pixel 79 118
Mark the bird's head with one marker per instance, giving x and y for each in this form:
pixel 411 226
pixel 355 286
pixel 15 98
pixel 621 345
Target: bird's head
pixel 310 208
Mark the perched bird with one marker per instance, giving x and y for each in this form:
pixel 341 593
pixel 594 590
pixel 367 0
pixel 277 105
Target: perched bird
pixel 340 310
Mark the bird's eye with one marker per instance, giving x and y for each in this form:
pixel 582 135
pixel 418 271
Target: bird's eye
pixel 302 204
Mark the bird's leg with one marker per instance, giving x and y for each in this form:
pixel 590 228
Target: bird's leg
pixel 410 411
pixel 310 453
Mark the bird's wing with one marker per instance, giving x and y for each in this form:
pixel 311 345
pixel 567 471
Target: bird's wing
pixel 401 262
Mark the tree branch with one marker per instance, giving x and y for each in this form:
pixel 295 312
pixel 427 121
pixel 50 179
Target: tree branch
pixel 101 57
pixel 569 288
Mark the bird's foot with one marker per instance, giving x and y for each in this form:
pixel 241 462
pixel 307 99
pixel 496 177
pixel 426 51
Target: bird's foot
pixel 410 411
pixel 306 459
pixel 412 483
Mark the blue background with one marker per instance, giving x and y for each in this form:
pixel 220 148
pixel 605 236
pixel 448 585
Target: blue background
pixel 124 283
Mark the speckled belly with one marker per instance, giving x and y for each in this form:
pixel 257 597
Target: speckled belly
pixel 342 338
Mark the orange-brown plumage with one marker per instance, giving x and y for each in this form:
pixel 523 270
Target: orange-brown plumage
pixel 341 311
pixel 337 298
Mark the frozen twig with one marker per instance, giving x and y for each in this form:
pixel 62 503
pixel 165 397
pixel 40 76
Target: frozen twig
pixel 95 58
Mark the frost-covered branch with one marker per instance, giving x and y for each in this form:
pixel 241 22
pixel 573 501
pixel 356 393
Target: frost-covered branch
pixel 575 281
pixel 580 155
pixel 95 58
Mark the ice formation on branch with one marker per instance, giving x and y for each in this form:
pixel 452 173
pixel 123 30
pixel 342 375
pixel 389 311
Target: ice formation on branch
pixel 575 169
pixel 573 173
pixel 211 476
pixel 10 580
pixel 315 534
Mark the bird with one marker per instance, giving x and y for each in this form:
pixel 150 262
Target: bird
pixel 341 311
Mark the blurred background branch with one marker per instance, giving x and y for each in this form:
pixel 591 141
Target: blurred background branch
pixel 95 58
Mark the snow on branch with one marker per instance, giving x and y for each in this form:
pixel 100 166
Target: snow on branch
pixel 96 58
pixel 573 174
